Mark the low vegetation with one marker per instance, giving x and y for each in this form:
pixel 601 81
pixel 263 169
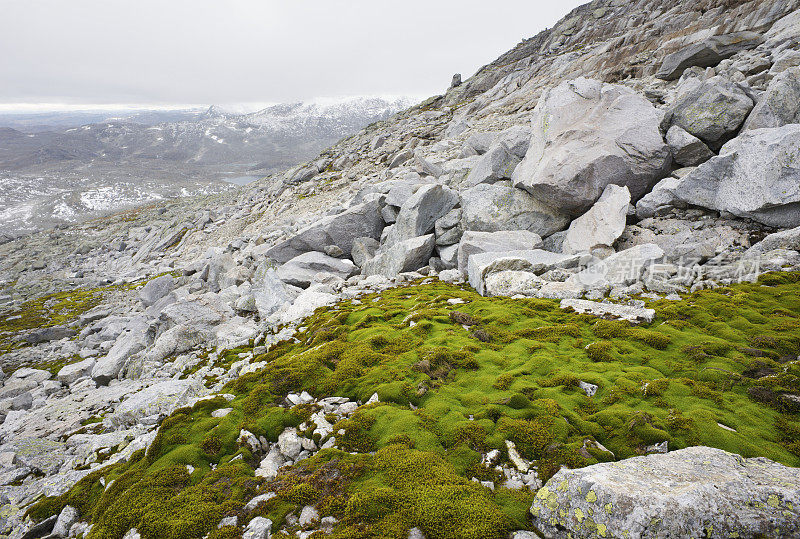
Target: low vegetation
pixel 717 368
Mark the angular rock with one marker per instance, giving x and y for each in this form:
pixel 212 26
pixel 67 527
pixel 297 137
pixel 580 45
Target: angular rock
pixel 659 199
pixel 755 176
pixel 587 135
pixel 685 493
pixel 258 528
pixel 403 256
pixel 492 208
pixel 66 518
pixel 419 213
pixel 560 290
pixel 269 292
pixel 363 220
pixel 448 228
pixel 610 310
pixel 49 334
pixel 780 104
pixel 602 224
pixel 511 283
pixel 624 267
pixel 687 150
pixel 127 344
pixel 473 242
pixel 300 270
pixel 497 164
pixel 363 250
pixel 536 261
pixel 706 53
pixel 156 289
pixel 785 239
pixel 73 371
pixel 159 399
pixel 712 110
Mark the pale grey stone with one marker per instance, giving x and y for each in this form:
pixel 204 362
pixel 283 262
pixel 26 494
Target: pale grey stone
pixel 780 104
pixel 496 164
pixel 156 289
pixel 403 256
pixel 363 250
pixel 706 53
pixel 687 150
pixel 73 371
pixel 586 135
pixel 755 176
pixel 419 213
pixel 711 110
pixel 362 220
pixel 300 270
pixel 474 242
pixel 258 528
pixel 492 208
pixel 684 493
pixel 610 310
pixel 481 265
pixel 602 224
pixel 624 267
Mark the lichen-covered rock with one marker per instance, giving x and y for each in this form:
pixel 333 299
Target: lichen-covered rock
pixel 755 176
pixel 711 110
pixel 694 492
pixel 586 135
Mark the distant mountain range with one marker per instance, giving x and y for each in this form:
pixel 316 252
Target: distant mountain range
pixel 51 165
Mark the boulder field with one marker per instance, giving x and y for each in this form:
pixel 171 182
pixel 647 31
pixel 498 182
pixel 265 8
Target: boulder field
pixel 559 300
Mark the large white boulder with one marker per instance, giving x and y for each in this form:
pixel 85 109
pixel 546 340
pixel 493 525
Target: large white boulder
pixel 586 135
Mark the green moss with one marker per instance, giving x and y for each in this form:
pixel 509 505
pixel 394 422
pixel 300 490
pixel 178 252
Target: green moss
pixel 674 379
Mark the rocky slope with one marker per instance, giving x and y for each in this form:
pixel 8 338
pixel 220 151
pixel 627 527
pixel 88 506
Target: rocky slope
pixel 585 256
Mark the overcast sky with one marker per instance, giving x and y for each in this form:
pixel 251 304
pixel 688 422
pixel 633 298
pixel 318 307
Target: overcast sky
pixel 164 52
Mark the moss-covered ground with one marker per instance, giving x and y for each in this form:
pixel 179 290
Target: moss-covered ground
pixel 477 373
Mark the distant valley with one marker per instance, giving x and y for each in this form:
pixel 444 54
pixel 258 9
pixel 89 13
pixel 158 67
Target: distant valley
pixel 55 170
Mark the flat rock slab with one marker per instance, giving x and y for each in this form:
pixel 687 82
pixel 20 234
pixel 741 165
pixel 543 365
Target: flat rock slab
pixel 610 310
pixel 694 492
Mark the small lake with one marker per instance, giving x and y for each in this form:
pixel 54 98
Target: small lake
pixel 241 180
